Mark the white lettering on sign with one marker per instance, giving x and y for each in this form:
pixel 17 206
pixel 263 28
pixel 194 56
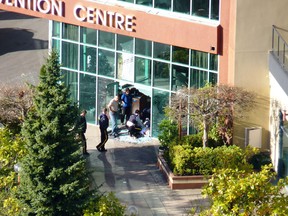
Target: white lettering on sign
pixel 53 7
pixel 104 18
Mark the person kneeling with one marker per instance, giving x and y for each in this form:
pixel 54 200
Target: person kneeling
pixel 135 125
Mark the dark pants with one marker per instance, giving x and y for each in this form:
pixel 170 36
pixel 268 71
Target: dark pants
pixel 84 142
pixel 104 138
pixel 134 131
pixel 126 111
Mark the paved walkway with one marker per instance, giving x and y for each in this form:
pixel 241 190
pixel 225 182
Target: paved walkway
pixel 129 170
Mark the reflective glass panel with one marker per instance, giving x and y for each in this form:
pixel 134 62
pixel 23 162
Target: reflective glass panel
pixel 213 62
pixel 87 96
pixel 55 29
pixel 71 80
pixel 215 9
pixel 144 2
pixel 161 75
pixel 179 77
pixel 213 78
pixel 69 55
pixel 160 100
pixel 56 45
pixel 70 32
pixel 88 59
pixel 125 66
pixel 106 39
pixel 182 6
pixel 180 55
pixel 106 63
pixel 143 47
pixel 198 78
pixel 125 43
pixel 107 89
pixel 163 4
pixel 200 8
pixel 161 51
pixel 199 59
pixel 143 71
pixel 88 36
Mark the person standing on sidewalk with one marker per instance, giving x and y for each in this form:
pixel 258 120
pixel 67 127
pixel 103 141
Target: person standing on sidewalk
pixel 82 130
pixel 113 112
pixel 103 124
pixel 126 105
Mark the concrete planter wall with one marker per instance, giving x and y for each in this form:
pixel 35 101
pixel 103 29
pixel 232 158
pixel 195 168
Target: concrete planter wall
pixel 180 182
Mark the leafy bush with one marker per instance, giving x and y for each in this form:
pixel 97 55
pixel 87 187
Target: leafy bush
pixel 202 161
pixel 107 205
pixel 235 192
pixel 168 132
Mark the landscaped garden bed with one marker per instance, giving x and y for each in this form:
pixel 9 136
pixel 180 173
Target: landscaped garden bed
pixel 180 182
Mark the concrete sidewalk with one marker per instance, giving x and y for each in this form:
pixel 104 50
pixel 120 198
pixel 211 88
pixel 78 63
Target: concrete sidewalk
pixel 129 170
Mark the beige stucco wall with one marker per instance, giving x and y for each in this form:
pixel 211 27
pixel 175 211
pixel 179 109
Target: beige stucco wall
pixel 253 36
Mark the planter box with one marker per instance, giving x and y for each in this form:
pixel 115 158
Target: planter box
pixel 180 182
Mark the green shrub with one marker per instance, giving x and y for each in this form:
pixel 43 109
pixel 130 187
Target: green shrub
pixel 186 160
pixel 168 133
pixel 236 192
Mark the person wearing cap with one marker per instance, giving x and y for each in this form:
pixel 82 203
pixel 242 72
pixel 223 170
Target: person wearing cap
pixel 103 125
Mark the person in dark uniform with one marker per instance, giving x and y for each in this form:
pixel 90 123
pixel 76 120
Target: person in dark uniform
pixel 135 125
pixel 82 127
pixel 103 124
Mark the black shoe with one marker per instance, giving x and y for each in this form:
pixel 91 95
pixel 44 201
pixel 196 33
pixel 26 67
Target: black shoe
pixel 86 153
pixel 103 150
pixel 98 148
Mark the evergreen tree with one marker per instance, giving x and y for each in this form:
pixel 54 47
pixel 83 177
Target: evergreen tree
pixel 53 179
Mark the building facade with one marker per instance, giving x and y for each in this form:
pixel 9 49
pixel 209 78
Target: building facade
pixel 156 47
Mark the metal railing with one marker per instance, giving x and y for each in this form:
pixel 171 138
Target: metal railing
pixel 280 47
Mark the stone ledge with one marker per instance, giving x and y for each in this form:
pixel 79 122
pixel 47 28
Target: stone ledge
pixel 180 182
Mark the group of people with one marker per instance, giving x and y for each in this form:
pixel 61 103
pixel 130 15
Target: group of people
pixel 133 122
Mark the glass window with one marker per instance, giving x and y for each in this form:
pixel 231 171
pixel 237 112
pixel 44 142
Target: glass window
pixel 87 96
pixel 163 4
pixel 143 71
pixel 88 36
pixel 180 55
pixel 161 51
pixel 215 9
pixel 70 32
pixel 125 66
pixel 160 100
pixel 55 29
pixel 107 40
pixel 106 63
pixel 143 47
pixel 71 80
pixel 213 78
pixel 125 43
pixel 200 8
pixel 107 89
pixel 88 59
pixel 69 55
pixel 198 78
pixel 199 59
pixel 182 6
pixel 56 45
pixel 161 75
pixel 213 62
pixel 179 77
pixel 144 2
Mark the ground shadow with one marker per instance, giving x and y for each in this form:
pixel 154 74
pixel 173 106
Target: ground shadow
pixel 14 39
